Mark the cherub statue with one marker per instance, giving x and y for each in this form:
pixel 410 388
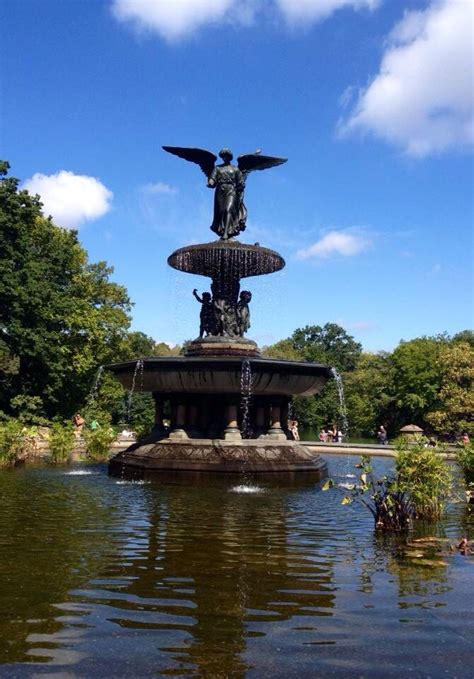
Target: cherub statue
pixel 228 180
pixel 207 315
pixel 243 312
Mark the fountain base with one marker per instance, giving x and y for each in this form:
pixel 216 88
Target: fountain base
pixel 223 346
pixel 254 456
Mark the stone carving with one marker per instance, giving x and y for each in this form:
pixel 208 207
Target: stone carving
pixel 228 181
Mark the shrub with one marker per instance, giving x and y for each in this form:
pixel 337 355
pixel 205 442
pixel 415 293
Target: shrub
pixel 98 442
pixel 16 442
pixel 465 459
pixel 61 442
pixel 425 476
pixel 390 506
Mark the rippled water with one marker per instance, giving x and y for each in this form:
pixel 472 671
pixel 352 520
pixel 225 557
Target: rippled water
pixel 119 579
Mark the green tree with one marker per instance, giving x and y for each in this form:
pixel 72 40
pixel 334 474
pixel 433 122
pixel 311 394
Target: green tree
pixel 60 316
pixel 366 390
pixel 465 336
pixel 330 345
pixel 455 410
pixel 414 380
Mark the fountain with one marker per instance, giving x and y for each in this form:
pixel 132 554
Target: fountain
pixel 228 404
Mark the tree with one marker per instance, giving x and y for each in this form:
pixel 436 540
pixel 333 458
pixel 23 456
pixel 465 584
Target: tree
pixel 465 336
pixel 455 410
pixel 60 316
pixel 415 379
pixel 331 345
pixel 367 396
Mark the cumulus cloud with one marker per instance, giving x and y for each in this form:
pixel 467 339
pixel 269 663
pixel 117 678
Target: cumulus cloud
pixel 297 11
pixel 421 99
pixel 174 19
pixel 335 243
pixel 160 188
pixel 69 198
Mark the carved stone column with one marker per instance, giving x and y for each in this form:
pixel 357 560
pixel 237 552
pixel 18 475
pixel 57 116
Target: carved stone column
pixel 260 421
pixel 193 426
pixel 232 431
pixel 158 426
pixel 275 431
pixel 178 431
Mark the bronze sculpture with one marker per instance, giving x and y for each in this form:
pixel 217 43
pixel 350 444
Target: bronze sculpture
pixel 228 180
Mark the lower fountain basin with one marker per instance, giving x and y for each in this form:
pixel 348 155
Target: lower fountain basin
pixel 221 375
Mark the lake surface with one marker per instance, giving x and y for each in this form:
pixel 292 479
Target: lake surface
pixel 106 578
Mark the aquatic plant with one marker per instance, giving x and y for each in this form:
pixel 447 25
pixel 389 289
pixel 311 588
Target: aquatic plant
pixel 465 459
pixel 98 442
pixel 16 442
pixel 425 476
pixel 389 504
pixel 61 442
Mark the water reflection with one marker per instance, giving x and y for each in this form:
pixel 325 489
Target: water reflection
pixel 124 579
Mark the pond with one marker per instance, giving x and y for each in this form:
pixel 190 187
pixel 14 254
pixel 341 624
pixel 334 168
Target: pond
pixel 106 577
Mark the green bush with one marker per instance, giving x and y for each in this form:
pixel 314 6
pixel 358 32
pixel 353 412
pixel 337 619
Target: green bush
pixel 98 442
pixel 61 442
pixel 465 459
pixel 16 442
pixel 425 476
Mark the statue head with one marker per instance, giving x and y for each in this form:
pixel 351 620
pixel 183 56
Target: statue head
pixel 246 296
pixel 206 296
pixel 226 154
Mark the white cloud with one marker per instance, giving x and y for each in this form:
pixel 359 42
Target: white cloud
pixel 421 99
pixel 298 11
pixel 335 243
pixel 160 188
pixel 174 19
pixel 69 198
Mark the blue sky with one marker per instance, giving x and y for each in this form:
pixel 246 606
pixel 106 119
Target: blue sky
pixel 370 100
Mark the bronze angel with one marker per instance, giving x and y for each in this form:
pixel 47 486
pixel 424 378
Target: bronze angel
pixel 230 213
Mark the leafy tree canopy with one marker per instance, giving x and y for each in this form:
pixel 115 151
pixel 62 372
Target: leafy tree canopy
pixel 329 344
pixel 455 411
pixel 60 316
pixel 415 377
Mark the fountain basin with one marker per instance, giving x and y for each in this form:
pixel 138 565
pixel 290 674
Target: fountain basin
pixel 222 375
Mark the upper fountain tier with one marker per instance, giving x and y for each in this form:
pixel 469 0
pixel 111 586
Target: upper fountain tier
pixel 237 260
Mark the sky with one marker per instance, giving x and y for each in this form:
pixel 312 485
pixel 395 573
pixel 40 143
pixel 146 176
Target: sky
pixel 371 101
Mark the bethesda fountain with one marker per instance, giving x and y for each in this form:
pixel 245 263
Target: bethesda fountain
pixel 227 405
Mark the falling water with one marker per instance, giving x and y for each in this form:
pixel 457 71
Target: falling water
pixel 137 372
pixel 245 397
pixel 91 399
pixel 342 403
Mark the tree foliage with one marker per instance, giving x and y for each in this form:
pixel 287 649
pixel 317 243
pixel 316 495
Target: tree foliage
pixel 60 316
pixel 455 404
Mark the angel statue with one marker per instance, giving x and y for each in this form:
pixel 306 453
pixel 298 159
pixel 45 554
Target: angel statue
pixel 228 180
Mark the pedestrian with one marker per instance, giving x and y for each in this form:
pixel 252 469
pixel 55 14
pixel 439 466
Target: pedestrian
pixel 78 422
pixel 382 435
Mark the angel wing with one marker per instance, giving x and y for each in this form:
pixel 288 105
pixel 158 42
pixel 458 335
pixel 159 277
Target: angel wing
pixel 255 161
pixel 205 159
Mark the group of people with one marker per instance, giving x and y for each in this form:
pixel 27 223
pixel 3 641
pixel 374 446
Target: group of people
pixel 79 424
pixel 329 435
